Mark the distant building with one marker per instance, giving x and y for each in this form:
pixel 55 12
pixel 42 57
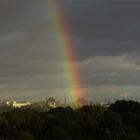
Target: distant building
pixel 80 103
pixel 20 104
pixel 7 103
pixel 16 104
pixel 104 104
pixel 51 102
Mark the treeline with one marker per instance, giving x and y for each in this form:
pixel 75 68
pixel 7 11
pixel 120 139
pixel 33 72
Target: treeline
pixel 121 121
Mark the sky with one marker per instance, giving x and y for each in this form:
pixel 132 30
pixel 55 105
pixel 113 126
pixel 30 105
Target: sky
pixel 105 34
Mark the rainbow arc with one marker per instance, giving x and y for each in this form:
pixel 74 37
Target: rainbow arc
pixel 62 38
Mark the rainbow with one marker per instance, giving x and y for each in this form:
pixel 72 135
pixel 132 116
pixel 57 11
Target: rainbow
pixel 62 38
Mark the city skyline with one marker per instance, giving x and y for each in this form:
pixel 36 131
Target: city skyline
pixel 105 37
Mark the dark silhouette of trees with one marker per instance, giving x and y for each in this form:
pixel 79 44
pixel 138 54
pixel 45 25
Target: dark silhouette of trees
pixel 121 121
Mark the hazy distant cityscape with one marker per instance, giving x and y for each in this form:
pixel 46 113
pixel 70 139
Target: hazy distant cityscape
pixel 51 102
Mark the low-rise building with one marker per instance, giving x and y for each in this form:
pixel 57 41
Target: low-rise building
pixel 16 104
pixel 51 102
pixel 20 104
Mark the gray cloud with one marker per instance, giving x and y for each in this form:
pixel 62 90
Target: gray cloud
pixel 106 42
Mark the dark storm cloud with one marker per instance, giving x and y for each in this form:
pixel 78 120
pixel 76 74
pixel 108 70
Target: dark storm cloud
pixel 20 15
pixel 104 47
pixel 93 19
pixel 104 27
pixel 97 27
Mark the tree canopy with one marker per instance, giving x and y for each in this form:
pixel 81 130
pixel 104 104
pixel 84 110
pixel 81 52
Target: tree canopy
pixel 118 122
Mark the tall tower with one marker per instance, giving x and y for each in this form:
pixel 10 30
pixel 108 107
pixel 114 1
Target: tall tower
pixel 65 102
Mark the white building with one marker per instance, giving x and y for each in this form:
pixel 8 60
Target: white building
pixel 20 104
pixel 16 104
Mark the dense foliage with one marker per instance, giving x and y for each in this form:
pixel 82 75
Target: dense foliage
pixel 121 121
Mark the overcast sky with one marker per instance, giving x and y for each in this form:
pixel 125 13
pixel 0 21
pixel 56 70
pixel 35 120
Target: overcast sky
pixel 106 38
